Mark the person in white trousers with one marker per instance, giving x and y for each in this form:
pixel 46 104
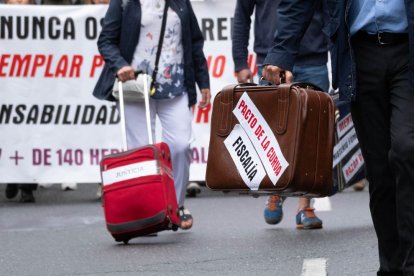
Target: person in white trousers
pixel 129 42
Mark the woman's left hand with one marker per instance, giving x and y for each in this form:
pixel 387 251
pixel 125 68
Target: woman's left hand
pixel 205 98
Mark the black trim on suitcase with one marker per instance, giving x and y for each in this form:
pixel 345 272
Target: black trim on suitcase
pixel 137 224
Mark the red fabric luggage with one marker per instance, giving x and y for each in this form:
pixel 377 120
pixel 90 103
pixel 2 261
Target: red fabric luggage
pixel 138 188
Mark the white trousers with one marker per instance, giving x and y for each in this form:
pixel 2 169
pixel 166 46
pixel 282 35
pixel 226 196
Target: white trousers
pixel 175 117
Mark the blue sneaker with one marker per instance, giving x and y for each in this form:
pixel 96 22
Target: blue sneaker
pixel 306 219
pixel 273 213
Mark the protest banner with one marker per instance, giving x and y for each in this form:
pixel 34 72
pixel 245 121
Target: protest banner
pixel 52 129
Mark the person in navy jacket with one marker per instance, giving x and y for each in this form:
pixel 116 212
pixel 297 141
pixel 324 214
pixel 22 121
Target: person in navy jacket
pixel 128 42
pixel 310 66
pixel 373 68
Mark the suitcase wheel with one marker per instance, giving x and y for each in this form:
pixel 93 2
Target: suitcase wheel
pixel 175 227
pixel 125 242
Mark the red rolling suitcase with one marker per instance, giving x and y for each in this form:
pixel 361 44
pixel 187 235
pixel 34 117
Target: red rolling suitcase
pixel 138 188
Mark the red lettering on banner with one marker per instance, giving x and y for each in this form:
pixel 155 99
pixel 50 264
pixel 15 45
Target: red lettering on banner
pixel 39 60
pixel 218 65
pixel 246 115
pixel 96 155
pixel 252 121
pixel 265 143
pixel 345 122
pixel 252 64
pixel 274 161
pixel 244 109
pixel 242 104
pixel 3 63
pixel 259 132
pixel 202 114
pixel 41 157
pixel 360 157
pixel 96 63
pixel 354 164
pixel 62 66
pixel 76 64
pixel 199 155
pixel 18 64
pixel 48 74
pixel 47 66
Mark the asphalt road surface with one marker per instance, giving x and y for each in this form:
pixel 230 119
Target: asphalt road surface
pixel 64 233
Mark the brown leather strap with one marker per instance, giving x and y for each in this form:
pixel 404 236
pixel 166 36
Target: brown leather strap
pixel 283 107
pixel 226 106
pixel 225 110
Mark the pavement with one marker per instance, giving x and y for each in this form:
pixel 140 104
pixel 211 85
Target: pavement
pixel 64 233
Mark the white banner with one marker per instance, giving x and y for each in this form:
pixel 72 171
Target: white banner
pixel 51 127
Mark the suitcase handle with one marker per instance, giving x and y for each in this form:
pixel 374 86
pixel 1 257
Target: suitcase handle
pixel 227 105
pixel 227 102
pixel 122 114
pixel 246 84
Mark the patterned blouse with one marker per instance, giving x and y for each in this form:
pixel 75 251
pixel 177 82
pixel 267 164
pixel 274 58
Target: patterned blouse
pixel 170 76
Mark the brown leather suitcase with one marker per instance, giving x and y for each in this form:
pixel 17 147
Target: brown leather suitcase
pixel 272 140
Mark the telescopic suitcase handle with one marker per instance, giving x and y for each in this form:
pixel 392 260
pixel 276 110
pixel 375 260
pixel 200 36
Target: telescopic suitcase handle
pixel 122 114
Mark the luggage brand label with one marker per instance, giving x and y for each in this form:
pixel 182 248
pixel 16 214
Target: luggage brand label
pixel 262 137
pixel 128 172
pixel 245 157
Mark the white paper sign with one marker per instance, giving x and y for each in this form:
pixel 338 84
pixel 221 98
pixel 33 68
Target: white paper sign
pixel 344 125
pixel 245 157
pixel 344 146
pixel 262 137
pixel 353 165
pixel 128 172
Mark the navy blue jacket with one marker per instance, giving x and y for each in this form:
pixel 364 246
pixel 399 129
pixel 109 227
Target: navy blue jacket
pixel 119 38
pixel 294 17
pixel 313 48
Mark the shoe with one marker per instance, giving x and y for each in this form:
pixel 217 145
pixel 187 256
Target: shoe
pixel 27 196
pixel 193 189
pixel 273 212
pixel 186 218
pixel 306 219
pixel 359 186
pixel 11 191
pixel 69 186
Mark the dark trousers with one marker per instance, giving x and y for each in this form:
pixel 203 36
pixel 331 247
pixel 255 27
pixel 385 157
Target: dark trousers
pixel 383 114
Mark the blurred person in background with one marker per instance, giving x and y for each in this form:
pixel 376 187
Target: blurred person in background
pixel 26 189
pixel 310 66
